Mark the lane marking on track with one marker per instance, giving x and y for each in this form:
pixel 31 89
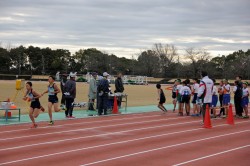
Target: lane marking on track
pixel 212 155
pixel 165 147
pixel 122 142
pixel 68 131
pixel 99 135
pixel 71 124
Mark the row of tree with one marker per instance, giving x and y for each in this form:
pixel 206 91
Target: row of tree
pixel 162 60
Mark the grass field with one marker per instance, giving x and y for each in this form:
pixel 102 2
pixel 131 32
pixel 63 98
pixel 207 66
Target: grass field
pixel 138 95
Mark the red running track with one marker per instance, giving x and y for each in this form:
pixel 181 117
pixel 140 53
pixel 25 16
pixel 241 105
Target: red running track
pixel 126 140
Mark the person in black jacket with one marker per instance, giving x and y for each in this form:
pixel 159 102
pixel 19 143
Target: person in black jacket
pixel 119 88
pixel 70 95
pixel 103 90
pixel 237 98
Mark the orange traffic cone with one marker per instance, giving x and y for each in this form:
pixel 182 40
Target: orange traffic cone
pixel 207 120
pixel 230 117
pixel 115 107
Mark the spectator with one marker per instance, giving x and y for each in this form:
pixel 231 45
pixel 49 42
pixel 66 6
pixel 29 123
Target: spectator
pixel 103 90
pixel 237 98
pixel 240 86
pixel 205 92
pixel 70 95
pixel 92 91
pixel 119 88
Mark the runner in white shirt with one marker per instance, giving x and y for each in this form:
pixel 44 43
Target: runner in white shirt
pixel 245 99
pixel 185 97
pixel 178 88
pixel 195 89
pixel 214 99
pixel 226 95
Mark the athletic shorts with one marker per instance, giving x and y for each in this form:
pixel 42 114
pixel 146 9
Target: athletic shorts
pixel 194 101
pixel 226 99
pixel 245 102
pixel 173 95
pixel 53 99
pixel 185 99
pixel 162 100
pixel 35 104
pixel 214 101
pixel 179 98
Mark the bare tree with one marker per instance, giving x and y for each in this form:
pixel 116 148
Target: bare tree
pixel 198 58
pixel 166 54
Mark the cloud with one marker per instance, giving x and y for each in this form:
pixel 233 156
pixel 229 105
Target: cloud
pixel 124 27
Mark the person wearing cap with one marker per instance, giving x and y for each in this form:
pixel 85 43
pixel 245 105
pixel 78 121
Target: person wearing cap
pixel 70 95
pixel 103 90
pixel 62 85
pixel 92 91
pixel 245 99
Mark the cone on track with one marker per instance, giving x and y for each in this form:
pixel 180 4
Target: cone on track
pixel 115 107
pixel 207 121
pixel 230 117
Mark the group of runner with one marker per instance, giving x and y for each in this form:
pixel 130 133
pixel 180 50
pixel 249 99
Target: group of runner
pixel 204 92
pixel 33 97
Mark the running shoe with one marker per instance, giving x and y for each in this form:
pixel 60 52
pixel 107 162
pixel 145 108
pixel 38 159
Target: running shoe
pixel 34 126
pixel 72 117
pixel 51 123
pixel 245 117
pixel 224 116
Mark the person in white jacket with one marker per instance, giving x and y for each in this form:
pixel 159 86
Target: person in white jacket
pixel 205 92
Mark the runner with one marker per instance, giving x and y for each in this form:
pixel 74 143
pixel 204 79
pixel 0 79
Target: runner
pixel 195 88
pixel 35 106
pixel 174 96
pixel 53 99
pixel 245 99
pixel 161 98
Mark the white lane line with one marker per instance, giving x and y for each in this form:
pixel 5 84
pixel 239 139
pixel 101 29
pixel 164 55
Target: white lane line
pixel 99 135
pixel 165 147
pixel 69 131
pixel 71 124
pixel 212 155
pixel 122 142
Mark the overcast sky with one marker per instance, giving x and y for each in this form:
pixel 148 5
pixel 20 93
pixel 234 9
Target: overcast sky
pixel 125 27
